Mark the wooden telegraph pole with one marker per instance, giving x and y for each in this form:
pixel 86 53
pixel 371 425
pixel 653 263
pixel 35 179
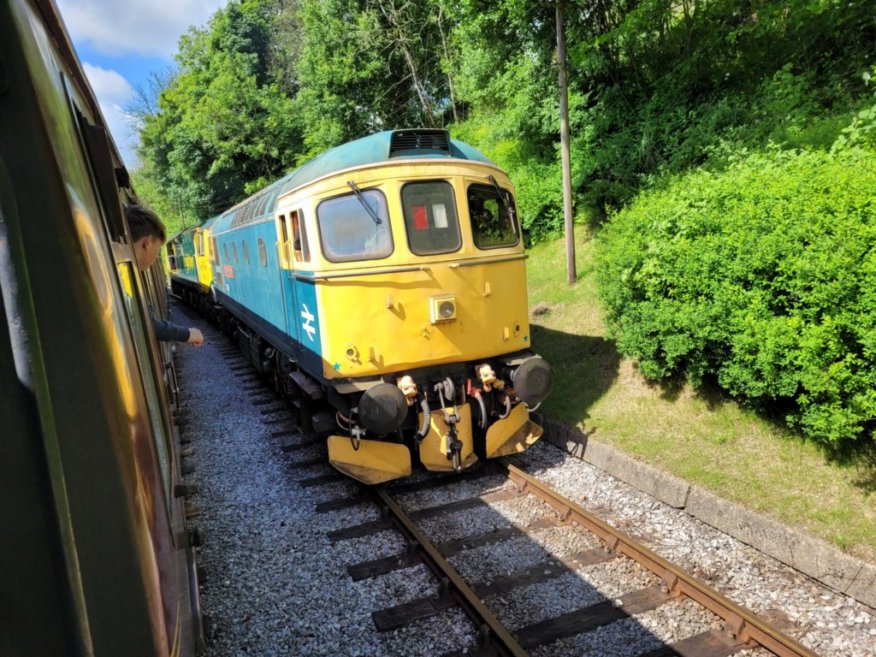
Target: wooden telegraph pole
pixel 564 148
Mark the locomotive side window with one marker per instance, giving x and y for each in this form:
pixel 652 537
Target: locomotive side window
pixel 199 244
pixel 263 254
pixel 283 246
pixel 234 248
pixel 430 217
pixel 299 237
pixel 493 221
pixel 350 231
pixel 227 259
pixel 245 252
pixel 214 256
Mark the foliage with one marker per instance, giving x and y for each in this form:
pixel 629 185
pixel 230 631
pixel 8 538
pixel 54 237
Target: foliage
pixel 369 65
pixel 763 277
pixel 223 127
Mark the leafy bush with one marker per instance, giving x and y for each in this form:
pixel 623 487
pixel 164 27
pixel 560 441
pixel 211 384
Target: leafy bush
pixel 762 276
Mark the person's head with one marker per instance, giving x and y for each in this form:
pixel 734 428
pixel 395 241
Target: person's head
pixel 147 234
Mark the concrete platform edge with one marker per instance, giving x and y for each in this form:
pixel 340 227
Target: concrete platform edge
pixel 807 554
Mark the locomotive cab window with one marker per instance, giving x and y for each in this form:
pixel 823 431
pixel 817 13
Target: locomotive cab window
pixel 199 244
pixel 430 217
pixel 355 227
pixel 493 218
pixel 299 237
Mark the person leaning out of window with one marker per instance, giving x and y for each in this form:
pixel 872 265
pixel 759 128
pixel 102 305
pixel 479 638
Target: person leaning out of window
pixel 149 235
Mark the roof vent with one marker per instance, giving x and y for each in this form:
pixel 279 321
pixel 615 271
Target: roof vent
pixel 414 142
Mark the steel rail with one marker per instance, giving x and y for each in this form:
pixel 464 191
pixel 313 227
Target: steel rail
pixel 741 623
pixel 497 635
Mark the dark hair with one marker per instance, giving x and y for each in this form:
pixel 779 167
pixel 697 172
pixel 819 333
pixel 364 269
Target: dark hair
pixel 143 221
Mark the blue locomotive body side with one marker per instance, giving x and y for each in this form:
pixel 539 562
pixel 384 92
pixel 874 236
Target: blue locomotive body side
pixel 281 305
pixel 304 319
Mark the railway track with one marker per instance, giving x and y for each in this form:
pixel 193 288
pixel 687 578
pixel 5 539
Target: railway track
pixel 301 560
pixel 648 581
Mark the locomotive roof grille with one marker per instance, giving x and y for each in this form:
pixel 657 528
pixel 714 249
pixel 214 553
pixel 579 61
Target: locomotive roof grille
pixel 416 142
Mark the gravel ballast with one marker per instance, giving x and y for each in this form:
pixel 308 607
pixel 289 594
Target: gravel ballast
pixel 278 585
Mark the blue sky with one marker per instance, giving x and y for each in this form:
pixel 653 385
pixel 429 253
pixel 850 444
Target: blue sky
pixel 120 43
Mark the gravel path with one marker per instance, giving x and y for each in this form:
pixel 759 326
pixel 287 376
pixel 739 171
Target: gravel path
pixel 276 584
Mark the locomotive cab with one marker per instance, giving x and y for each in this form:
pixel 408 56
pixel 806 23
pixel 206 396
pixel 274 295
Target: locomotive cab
pixel 416 275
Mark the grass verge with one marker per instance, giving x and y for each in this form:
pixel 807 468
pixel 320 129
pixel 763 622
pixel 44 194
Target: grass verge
pixel 701 436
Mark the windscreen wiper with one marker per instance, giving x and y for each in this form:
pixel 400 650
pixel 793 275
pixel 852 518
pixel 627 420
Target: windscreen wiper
pixel 502 198
pixel 368 208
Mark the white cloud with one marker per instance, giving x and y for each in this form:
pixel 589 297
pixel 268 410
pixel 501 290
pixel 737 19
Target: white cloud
pixel 114 92
pixel 136 27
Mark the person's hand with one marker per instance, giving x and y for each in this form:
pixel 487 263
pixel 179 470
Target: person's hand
pixel 196 338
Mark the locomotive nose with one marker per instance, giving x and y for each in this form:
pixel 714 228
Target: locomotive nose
pixel 383 408
pixel 532 380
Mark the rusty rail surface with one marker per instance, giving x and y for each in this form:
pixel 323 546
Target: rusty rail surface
pixel 742 624
pixel 493 634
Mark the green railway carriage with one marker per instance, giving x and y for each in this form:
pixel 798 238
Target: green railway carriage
pixel 94 556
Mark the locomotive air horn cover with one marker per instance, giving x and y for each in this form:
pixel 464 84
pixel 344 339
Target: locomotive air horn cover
pixel 383 408
pixel 533 380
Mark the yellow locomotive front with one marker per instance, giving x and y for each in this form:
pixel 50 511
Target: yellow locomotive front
pixel 418 273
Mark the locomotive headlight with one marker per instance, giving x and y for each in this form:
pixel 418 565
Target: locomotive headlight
pixel 442 308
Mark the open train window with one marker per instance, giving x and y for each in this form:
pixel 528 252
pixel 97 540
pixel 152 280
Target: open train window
pixel 299 237
pixel 430 217
pixel 493 222
pixel 263 254
pixel 355 227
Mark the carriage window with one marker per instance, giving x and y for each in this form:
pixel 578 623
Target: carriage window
pixel 430 217
pixel 349 232
pixel 493 221
pixel 263 254
pixel 245 252
pixel 299 237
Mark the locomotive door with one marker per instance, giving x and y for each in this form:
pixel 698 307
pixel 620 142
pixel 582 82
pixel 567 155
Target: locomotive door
pixel 290 236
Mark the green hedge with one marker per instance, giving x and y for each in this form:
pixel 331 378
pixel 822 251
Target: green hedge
pixel 762 276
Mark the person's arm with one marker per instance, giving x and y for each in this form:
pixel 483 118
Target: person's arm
pixel 169 332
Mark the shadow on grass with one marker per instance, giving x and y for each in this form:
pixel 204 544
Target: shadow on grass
pixel 859 455
pixel 584 366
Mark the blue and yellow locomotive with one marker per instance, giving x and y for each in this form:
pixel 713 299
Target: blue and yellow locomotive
pixel 382 285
